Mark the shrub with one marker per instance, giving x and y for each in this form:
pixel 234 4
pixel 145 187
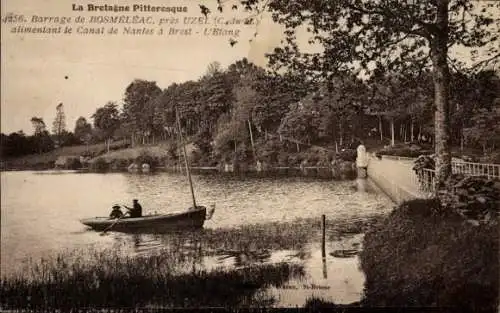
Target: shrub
pixel 73 163
pixel 99 165
pixel 347 155
pixel 493 157
pixel 404 152
pixel 145 157
pixel 283 158
pixel 118 164
pixel 475 198
pixel 424 162
pixel 427 256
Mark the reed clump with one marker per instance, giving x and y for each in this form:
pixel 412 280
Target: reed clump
pixel 111 278
pixel 283 235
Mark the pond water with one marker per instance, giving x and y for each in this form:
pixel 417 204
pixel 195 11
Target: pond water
pixel 40 214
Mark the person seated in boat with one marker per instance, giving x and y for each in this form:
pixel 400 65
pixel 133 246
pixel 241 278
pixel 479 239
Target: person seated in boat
pixel 136 210
pixel 116 212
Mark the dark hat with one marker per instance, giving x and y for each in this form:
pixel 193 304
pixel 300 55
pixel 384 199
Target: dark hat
pixel 116 206
pixel 135 200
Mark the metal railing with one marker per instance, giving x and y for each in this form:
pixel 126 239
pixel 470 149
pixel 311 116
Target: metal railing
pixel 425 177
pixel 399 179
pixel 489 170
pixel 476 169
pixel 425 180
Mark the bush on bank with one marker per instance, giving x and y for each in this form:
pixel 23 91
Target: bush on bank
pixel 426 255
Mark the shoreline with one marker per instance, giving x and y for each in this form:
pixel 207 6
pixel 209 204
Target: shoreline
pixel 291 171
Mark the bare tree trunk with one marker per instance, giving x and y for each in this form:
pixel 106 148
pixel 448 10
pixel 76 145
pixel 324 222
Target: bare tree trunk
pixel 439 53
pixel 411 130
pixel 380 128
pixel 404 132
pixel 462 137
pixel 392 132
pixel 341 134
pixel 251 139
pixel 298 147
pixel 107 143
pixel 462 142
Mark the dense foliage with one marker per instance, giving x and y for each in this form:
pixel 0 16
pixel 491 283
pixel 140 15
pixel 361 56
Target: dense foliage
pixel 245 113
pixel 370 37
pixel 424 255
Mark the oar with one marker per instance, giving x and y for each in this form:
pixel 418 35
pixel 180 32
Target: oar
pixel 114 223
pixel 211 212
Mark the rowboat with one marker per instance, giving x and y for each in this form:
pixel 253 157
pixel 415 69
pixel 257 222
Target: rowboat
pixel 156 223
pixel 194 217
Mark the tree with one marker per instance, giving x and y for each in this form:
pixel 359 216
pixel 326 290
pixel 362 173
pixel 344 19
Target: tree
pixel 275 94
pixel 41 137
pixel 83 130
pixel 59 125
pixel 400 97
pixel 16 144
pixel 38 125
pixel 471 92
pixel 486 128
pixel 138 107
pixel 107 120
pixel 302 123
pixel 385 35
pixel 213 68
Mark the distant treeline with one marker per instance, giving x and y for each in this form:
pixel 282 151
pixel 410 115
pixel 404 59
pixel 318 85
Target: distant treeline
pixel 239 112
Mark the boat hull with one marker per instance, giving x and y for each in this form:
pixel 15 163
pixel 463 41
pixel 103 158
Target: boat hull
pixel 192 219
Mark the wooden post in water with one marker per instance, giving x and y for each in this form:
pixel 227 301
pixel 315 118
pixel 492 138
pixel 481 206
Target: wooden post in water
pixel 323 238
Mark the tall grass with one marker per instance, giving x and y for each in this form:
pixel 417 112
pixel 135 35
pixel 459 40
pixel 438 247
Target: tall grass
pixel 109 278
pixel 284 235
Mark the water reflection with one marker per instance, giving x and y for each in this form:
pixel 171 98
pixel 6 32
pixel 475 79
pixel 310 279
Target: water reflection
pixel 325 271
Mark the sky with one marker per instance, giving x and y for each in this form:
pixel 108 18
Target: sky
pixel 84 72
pixel 39 71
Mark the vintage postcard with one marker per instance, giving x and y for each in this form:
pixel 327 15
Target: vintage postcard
pixel 197 154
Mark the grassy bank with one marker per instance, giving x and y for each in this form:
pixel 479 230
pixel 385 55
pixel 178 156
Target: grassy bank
pixel 425 255
pixel 47 160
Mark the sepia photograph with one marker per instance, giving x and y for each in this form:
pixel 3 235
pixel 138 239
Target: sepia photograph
pixel 338 155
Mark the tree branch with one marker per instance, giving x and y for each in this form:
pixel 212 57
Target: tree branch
pixel 425 30
pixel 484 63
